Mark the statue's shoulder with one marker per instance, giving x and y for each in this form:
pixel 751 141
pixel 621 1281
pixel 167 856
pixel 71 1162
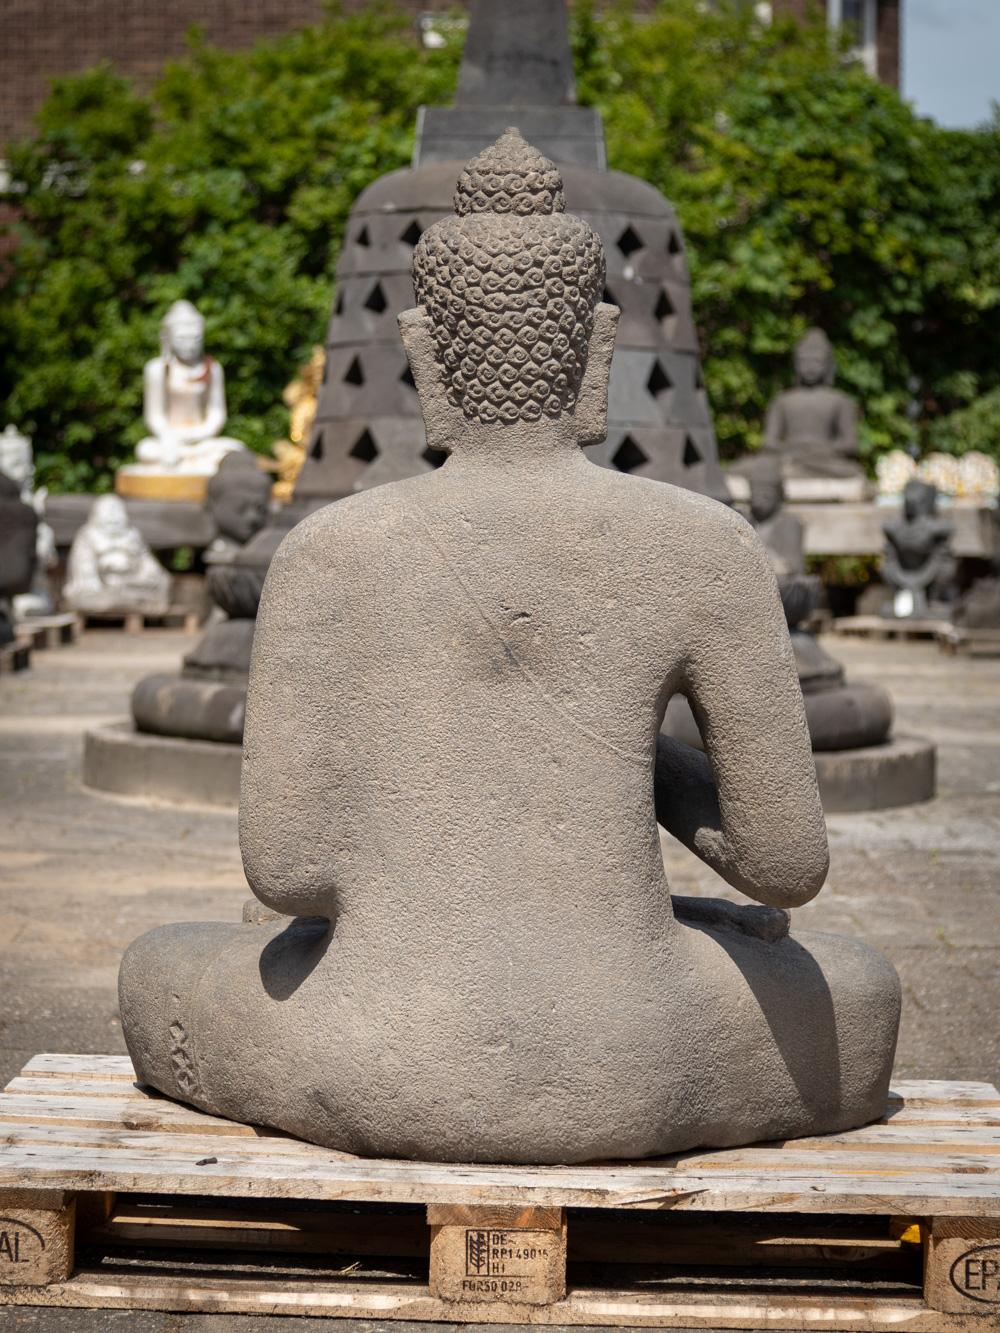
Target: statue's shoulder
pixel 155 367
pixel 336 528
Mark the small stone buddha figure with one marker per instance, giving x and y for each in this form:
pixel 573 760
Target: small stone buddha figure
pixel 110 567
pixel 238 500
pixel 452 779
pixel 841 715
pixel 207 699
pixel 813 428
pixel 17 462
pixel 918 562
pixel 184 400
pixel 18 536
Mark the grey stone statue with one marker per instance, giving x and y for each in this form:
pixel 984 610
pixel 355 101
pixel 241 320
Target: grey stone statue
pixel 813 427
pixel 238 500
pixel 841 715
pixel 18 536
pixel 207 700
pixel 452 781
pixel 918 562
pixel 18 462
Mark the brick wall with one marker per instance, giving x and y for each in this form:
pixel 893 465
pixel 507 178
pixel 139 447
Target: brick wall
pixel 43 38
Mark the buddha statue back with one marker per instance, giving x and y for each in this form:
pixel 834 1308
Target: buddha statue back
pixel 452 780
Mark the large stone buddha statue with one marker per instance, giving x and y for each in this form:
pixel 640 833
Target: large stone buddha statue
pixel 452 780
pixel 184 405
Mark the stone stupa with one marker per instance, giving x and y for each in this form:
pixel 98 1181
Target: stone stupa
pixel 516 70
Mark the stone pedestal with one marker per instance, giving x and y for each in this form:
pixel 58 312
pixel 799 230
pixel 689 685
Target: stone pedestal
pixel 121 761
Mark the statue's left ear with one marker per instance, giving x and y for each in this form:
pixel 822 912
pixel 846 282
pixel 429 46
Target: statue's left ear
pixel 591 413
pixel 440 419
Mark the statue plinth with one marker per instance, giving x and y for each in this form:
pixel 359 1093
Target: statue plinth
pixel 807 490
pixel 136 483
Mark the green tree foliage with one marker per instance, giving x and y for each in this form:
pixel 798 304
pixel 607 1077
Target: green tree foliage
pixel 229 185
pixel 808 192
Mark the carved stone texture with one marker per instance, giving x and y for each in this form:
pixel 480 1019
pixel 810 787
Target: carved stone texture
pixel 452 781
pixel 918 561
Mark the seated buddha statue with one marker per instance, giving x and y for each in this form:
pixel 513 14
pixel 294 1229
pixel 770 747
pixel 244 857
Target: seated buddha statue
pixel 452 779
pixel 110 567
pixel 184 405
pixel 813 427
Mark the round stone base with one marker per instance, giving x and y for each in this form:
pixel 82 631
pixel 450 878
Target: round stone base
pixel 902 771
pixel 125 762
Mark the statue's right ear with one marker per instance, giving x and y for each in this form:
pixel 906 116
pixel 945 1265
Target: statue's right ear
pixel 440 418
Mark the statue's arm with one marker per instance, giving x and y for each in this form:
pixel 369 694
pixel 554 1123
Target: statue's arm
pixel 749 807
pixel 215 415
pixel 774 425
pixel 154 398
pixel 847 426
pixel 286 850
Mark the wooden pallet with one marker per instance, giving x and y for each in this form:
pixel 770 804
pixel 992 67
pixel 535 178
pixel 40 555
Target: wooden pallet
pixel 111 1197
pixel 15 656
pixel 134 622
pixel 885 627
pixel 50 631
pixel 957 639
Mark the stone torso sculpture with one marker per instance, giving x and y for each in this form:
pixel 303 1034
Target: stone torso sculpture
pixel 449 773
pixel 813 428
pixel 207 701
pixel 17 462
pixel 184 404
pixel 110 567
pixel 917 562
pixel 18 529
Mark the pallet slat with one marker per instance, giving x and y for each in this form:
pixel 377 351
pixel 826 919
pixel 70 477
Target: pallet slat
pixel 827 1227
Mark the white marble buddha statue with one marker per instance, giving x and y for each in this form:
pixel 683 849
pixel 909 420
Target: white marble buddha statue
pixel 110 567
pixel 184 400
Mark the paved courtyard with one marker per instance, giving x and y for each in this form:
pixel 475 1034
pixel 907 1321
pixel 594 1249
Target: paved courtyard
pixel 82 874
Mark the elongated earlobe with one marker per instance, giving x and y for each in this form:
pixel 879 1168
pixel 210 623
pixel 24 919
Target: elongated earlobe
pixel 418 341
pixel 591 414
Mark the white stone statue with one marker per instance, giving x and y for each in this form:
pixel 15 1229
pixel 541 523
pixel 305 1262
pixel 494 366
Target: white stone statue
pixel 17 461
pixel 110 566
pixel 184 400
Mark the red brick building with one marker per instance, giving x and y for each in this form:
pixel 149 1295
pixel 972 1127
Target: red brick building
pixel 44 38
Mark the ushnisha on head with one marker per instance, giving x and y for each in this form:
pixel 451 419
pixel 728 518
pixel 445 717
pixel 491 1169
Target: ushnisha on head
pixel 510 330
pixel 815 362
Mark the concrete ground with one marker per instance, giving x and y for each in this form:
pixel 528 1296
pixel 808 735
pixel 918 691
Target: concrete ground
pixel 82 874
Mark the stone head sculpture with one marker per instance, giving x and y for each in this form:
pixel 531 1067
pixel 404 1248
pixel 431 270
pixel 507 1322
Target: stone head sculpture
pixel 238 497
pixel 182 333
pixel 920 499
pixel 510 331
pixel 767 492
pixel 16 459
pixel 814 359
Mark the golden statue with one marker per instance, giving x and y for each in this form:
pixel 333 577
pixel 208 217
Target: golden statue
pixel 300 397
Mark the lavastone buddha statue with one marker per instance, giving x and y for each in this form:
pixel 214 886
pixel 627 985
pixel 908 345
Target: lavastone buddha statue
pixel 110 567
pixel 452 779
pixel 184 404
pixel 17 461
